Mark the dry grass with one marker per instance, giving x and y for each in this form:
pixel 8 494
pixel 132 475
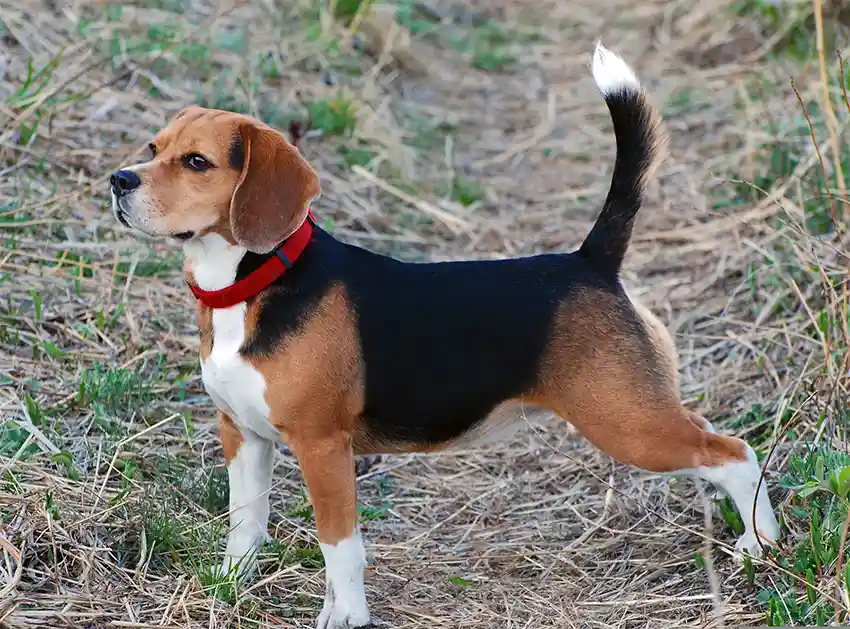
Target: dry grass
pixel 111 487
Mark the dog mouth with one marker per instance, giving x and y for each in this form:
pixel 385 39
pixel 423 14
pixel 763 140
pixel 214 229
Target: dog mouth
pixel 123 217
pixel 119 212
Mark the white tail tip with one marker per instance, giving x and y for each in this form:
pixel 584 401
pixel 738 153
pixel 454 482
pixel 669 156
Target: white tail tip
pixel 611 73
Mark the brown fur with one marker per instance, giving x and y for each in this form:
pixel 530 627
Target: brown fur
pixel 270 202
pixel 314 389
pixel 203 316
pixel 231 438
pixel 612 375
pixel 593 354
pixel 327 464
pixel 248 206
pixel 314 383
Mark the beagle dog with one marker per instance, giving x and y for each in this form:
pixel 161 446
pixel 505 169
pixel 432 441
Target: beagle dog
pixel 340 351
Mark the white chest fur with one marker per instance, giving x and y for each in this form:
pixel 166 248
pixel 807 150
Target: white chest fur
pixel 235 386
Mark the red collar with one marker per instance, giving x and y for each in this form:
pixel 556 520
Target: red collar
pixel 285 255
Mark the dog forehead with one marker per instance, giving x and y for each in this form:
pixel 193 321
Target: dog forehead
pixel 197 126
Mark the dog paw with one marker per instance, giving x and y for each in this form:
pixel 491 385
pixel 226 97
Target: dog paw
pixel 346 612
pixel 240 557
pixel 333 618
pixel 749 544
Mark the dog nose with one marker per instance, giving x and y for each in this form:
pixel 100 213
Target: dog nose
pixel 124 182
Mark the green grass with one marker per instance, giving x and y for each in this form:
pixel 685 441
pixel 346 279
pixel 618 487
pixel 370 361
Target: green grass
pixel 285 554
pixel 355 155
pixel 208 489
pixel 730 515
pixel 467 191
pixel 820 482
pixel 113 388
pixel 217 584
pixel 347 9
pixel 165 532
pixel 492 48
pixel 164 507
pixel 155 265
pixel 13 438
pixel 334 116
pixel 779 161
pixel 798 43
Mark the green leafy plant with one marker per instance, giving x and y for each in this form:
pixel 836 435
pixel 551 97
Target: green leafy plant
pixel 820 482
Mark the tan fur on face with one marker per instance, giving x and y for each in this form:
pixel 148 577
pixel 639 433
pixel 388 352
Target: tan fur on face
pixel 256 204
pixel 172 198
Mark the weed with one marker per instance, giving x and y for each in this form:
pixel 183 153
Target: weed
pixel 355 155
pixel 779 159
pixel 113 388
pixel 13 438
pixel 460 582
pixel 335 116
pixel 29 93
pixel 216 583
pixel 367 514
pixel 798 24
pixel 492 46
pixel 165 534
pixel 491 49
pixel 730 515
pixel 216 493
pixel 820 482
pixel 51 508
pixel 33 410
pixel 466 191
pixel 209 490
pixel 295 553
pixel 304 511
pixel 679 102
pixel 157 265
pixel 347 9
pixel 65 460
pixel 36 302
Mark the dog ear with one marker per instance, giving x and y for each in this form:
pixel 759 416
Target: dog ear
pixel 274 191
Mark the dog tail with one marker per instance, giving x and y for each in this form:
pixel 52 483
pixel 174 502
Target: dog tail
pixel 641 145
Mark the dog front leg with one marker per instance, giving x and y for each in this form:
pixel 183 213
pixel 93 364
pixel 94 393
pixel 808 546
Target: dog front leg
pixel 250 461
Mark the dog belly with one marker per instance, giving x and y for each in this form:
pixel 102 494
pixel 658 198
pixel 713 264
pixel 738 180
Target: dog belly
pixel 498 426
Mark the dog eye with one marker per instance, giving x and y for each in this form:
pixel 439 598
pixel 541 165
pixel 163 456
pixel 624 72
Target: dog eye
pixel 152 149
pixel 197 162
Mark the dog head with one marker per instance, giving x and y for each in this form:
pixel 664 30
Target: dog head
pixel 214 171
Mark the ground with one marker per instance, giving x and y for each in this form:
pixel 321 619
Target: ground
pixel 441 130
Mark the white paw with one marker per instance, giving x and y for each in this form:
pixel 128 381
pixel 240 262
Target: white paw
pixel 240 557
pixel 748 542
pixel 336 614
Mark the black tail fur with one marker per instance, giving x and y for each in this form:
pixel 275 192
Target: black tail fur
pixel 640 146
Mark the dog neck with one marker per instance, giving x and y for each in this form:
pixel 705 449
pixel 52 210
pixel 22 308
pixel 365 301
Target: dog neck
pixel 235 274
pixel 212 261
